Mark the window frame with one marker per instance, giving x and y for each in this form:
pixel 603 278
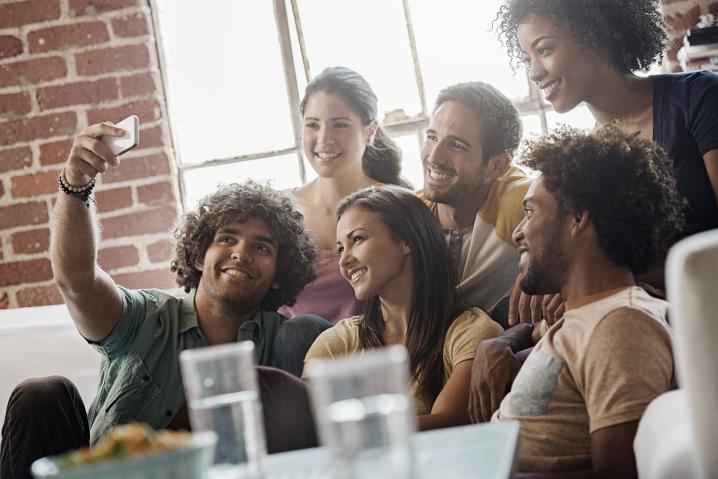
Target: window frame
pixel 534 104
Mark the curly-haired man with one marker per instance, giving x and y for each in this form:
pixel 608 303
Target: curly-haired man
pixel 603 209
pixel 240 255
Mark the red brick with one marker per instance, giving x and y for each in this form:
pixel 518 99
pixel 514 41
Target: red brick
pixel 146 110
pixel 117 257
pixel 39 296
pixel 15 158
pixel 28 129
pixel 55 152
pixel 34 213
pixel 682 21
pixel 14 105
pixel 67 36
pixel 160 251
pixel 23 13
pixel 34 184
pixel 136 168
pixel 30 271
pixel 158 220
pixel 133 25
pixel 135 85
pixel 77 93
pixel 10 46
pixel 29 242
pixel 93 7
pixel 105 60
pixel 30 72
pixel 713 8
pixel 156 193
pixel 115 199
pixel 158 278
pixel 151 137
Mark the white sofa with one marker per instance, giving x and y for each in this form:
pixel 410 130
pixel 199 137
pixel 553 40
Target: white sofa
pixel 43 341
pixel 678 433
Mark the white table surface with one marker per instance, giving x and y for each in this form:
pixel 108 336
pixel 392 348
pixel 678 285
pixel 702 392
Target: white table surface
pixel 485 451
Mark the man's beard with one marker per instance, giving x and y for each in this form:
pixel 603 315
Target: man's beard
pixel 453 196
pixel 545 272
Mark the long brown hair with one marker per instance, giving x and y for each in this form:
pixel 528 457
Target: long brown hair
pixel 433 298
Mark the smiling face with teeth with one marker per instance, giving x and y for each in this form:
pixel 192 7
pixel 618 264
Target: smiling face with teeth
pixel 454 166
pixel 240 264
pixel 334 137
pixel 562 68
pixel 372 260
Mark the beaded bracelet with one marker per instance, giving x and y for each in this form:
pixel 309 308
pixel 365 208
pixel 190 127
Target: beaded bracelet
pixel 82 193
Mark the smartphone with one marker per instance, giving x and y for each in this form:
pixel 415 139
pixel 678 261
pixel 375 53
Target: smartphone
pixel 122 144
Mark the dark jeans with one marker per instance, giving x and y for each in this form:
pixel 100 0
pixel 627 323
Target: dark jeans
pixel 294 338
pixel 46 416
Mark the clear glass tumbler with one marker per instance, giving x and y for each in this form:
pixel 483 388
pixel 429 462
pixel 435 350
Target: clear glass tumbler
pixel 364 414
pixel 220 384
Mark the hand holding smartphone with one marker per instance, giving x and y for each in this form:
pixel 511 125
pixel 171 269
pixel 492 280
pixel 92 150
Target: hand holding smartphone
pixel 121 144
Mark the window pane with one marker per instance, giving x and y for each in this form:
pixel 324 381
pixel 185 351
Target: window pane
pixel 579 117
pixel 282 170
pixel 532 127
pixel 456 44
pixel 411 167
pixel 226 89
pixel 368 36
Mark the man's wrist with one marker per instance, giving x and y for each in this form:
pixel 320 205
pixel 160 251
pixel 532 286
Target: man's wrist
pixel 518 337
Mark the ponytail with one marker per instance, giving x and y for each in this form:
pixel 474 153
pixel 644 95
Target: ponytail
pixel 382 160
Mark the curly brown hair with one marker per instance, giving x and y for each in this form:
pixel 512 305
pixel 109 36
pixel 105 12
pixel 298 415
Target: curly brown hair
pixel 296 251
pixel 625 183
pixel 630 34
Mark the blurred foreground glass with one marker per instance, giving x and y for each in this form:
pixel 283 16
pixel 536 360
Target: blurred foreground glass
pixel 363 412
pixel 220 384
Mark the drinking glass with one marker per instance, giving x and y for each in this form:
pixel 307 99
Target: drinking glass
pixel 220 384
pixel 364 414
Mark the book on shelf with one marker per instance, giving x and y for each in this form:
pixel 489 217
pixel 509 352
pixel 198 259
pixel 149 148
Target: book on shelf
pixel 701 36
pixel 698 64
pixel 694 52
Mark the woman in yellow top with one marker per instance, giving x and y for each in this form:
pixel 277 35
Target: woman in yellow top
pixel 394 255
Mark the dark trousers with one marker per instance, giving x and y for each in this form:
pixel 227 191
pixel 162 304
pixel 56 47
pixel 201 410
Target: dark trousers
pixel 294 338
pixel 46 416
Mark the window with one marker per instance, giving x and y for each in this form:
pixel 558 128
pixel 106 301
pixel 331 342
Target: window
pixel 234 85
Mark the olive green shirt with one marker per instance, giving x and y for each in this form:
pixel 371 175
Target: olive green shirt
pixel 140 372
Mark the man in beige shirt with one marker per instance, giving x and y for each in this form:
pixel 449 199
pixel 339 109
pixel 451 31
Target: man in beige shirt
pixel 603 209
pixel 473 189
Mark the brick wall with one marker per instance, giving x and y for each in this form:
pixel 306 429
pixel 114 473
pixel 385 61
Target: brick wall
pixel 65 64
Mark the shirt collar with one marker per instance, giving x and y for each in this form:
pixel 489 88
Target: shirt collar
pixel 188 313
pixel 188 316
pixel 579 302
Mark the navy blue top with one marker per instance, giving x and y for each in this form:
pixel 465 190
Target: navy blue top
pixel 685 123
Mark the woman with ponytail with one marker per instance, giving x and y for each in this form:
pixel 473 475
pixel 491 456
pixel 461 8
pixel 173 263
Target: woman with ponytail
pixel 348 150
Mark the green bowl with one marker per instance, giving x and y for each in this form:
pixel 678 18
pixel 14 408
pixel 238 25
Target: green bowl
pixel 187 462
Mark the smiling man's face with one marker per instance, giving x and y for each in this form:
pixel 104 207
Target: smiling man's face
pixel 240 263
pixel 453 155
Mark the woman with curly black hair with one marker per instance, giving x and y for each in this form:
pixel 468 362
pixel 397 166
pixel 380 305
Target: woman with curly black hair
pixel 590 50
